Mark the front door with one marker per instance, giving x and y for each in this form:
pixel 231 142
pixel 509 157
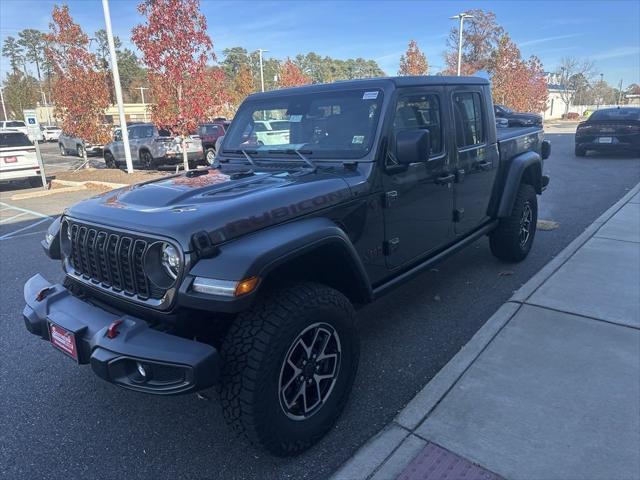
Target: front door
pixel 419 196
pixel 477 159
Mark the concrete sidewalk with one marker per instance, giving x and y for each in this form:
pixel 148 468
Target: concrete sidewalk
pixel 549 387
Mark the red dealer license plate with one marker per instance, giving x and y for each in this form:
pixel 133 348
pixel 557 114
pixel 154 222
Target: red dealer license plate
pixel 63 340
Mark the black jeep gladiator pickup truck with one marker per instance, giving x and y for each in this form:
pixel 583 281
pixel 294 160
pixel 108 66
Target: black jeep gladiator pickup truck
pixel 246 275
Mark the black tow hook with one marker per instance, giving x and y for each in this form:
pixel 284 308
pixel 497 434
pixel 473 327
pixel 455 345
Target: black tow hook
pixel 42 294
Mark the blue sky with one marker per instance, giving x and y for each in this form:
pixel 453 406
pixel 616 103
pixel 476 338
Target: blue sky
pixel 607 32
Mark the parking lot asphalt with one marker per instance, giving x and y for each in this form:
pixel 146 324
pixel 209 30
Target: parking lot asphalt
pixel 60 421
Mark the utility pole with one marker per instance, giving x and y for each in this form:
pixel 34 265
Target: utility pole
pixel 144 105
pixel 460 16
pixel 46 106
pixel 260 52
pixel 620 93
pixel 116 83
pixel 4 109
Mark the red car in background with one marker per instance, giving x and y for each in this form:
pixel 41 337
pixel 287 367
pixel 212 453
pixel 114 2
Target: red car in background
pixel 209 133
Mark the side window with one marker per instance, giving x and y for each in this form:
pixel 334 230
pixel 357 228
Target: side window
pixel 147 132
pixel 418 111
pixel 133 133
pixel 468 117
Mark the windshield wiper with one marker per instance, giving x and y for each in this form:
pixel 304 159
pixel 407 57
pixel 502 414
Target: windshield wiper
pixel 300 153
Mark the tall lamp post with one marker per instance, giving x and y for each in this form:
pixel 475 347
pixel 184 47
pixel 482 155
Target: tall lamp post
pixel 4 109
pixel 116 83
pixel 260 52
pixel 461 17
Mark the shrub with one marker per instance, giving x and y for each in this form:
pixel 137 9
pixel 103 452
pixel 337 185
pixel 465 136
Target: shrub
pixel 570 116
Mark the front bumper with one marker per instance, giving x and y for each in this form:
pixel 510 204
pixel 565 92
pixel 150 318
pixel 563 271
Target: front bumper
pixel 173 364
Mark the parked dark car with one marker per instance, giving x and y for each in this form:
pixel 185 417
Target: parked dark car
pixel 248 275
pixel 609 129
pixel 517 119
pixel 209 134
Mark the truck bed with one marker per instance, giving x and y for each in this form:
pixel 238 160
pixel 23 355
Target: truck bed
pixel 512 132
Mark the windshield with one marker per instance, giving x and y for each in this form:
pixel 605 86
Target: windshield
pixel 616 114
pixel 14 139
pixel 333 124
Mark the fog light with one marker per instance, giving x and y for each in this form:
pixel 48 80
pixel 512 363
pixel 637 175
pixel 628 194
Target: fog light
pixel 141 370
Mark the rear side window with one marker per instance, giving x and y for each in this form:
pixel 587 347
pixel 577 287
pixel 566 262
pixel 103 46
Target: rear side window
pixel 616 114
pixel 146 132
pixel 468 116
pixel 14 139
pixel 15 124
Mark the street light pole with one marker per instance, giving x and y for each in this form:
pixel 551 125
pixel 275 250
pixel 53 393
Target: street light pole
pixel 260 52
pixel 116 83
pixel 460 16
pixel 46 107
pixel 144 105
pixel 4 109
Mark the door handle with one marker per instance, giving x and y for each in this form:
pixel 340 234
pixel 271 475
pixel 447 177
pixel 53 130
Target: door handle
pixel 445 179
pixel 484 165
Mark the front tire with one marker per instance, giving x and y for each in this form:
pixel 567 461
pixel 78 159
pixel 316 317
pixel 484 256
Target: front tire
pixel 80 151
pixel 511 241
pixel 288 367
pixel 63 151
pixel 109 161
pixel 147 160
pixel 210 156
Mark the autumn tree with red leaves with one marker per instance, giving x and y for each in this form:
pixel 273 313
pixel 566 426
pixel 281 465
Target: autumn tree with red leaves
pixel 413 62
pixel 79 87
pixel 291 76
pixel 176 48
pixel 517 83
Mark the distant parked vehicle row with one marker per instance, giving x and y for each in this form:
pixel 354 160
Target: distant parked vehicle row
pixel 517 119
pixel 18 158
pixel 20 126
pixel 151 147
pixel 609 129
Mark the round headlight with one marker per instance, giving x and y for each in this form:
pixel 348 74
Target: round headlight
pixel 170 260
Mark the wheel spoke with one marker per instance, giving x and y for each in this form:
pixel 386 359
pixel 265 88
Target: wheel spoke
pixel 295 397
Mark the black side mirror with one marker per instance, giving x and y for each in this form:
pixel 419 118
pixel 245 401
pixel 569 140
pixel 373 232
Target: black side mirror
pixel 412 146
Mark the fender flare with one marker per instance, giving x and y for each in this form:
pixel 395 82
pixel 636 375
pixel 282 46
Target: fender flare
pixel 258 254
pixel 517 167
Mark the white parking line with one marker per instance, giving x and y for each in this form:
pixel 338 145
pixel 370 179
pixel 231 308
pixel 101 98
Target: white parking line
pixel 9 235
pixel 5 220
pixel 23 211
pixel 26 210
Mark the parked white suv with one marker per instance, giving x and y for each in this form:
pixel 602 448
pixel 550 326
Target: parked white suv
pixel 18 158
pixel 151 147
pixel 20 126
pixel 51 133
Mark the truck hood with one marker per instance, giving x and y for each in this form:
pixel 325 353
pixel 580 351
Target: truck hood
pixel 224 204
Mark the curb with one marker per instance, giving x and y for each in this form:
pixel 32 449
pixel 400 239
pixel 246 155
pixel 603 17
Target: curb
pixel 44 193
pixel 88 183
pixel 387 453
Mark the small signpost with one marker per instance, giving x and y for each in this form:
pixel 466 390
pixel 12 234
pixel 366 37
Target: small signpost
pixel 31 120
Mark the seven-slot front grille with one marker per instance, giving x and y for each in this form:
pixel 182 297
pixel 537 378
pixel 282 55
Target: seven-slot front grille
pixel 112 259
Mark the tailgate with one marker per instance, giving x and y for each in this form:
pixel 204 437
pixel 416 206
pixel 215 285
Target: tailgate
pixel 18 159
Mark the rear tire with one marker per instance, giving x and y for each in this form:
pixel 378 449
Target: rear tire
pixel 580 152
pixel 511 241
pixel 63 151
pixel 273 359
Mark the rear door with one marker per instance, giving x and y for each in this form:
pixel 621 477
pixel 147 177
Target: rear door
pixel 476 154
pixel 418 203
pixel 117 149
